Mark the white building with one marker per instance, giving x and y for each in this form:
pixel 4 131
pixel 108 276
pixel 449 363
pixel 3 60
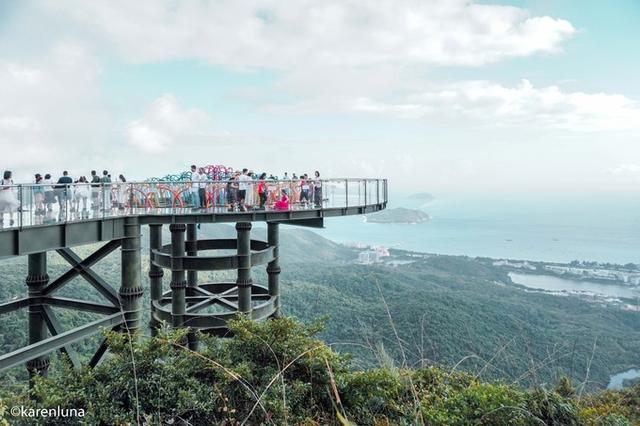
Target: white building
pixel 370 256
pixel 520 265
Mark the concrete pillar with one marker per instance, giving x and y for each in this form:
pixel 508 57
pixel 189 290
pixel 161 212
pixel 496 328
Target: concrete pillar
pixel 37 279
pixel 178 283
pixel 131 284
pixel 273 268
pixel 192 276
pixel 155 272
pixel 244 281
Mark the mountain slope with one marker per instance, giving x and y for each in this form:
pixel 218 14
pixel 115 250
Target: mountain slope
pixel 445 309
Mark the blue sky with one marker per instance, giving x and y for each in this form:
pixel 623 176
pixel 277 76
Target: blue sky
pixel 447 96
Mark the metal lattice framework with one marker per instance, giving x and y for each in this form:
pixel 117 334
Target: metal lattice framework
pixel 205 306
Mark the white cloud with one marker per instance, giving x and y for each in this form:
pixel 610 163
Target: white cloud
pixel 51 110
pixel 626 170
pixel 18 124
pixel 165 124
pixel 285 35
pixel 497 105
pixel 373 58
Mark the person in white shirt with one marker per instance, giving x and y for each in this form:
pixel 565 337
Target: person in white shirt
pixel 122 194
pixel 194 198
pixel 286 185
pixel 243 186
pixel 49 194
pixel 82 193
pixel 251 190
pixel 8 200
pixel 201 179
pixel 317 190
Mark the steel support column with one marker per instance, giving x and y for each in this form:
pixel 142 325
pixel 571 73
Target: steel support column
pixel 192 276
pixel 37 279
pixel 155 272
pixel 131 286
pixel 178 283
pixel 244 281
pixel 192 250
pixel 273 268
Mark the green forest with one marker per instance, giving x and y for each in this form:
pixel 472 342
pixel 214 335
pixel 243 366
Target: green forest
pixel 436 341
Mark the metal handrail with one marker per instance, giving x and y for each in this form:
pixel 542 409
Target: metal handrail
pixel 53 202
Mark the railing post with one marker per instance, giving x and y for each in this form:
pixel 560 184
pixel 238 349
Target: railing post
pixel 130 197
pixel 386 191
pixel 365 192
pixel 102 202
pixel 346 193
pixel 20 206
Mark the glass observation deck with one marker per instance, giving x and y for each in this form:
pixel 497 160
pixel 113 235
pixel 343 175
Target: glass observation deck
pixel 34 205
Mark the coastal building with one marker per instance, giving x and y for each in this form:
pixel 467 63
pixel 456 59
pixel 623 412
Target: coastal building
pixel 626 277
pixel 382 251
pixel 355 244
pixel 369 257
pixel 519 265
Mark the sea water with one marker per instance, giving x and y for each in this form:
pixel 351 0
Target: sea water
pixel 559 229
pixel 557 284
pixel 616 380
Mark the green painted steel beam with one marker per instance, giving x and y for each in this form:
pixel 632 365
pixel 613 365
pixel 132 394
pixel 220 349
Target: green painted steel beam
pixel 80 305
pixel 316 222
pixel 83 268
pixel 53 343
pixel 98 356
pixel 39 238
pixel 55 329
pixel 52 236
pixel 213 301
pixel 14 305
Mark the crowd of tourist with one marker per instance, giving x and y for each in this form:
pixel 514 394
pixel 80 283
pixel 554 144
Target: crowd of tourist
pixel 199 188
pixel 244 190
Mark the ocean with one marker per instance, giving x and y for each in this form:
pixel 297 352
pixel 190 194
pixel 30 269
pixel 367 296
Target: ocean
pixel 560 229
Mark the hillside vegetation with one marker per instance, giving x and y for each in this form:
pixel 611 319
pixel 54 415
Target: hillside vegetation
pixel 438 310
pixel 278 372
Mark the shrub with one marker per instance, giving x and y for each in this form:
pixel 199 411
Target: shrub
pixel 279 372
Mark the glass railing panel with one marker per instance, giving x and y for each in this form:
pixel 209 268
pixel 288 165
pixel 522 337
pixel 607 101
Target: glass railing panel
pixel 334 193
pixel 370 186
pixel 41 204
pixel 354 192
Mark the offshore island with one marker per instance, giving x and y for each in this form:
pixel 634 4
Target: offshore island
pixel 398 215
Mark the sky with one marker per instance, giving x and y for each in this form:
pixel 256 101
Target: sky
pixel 446 96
